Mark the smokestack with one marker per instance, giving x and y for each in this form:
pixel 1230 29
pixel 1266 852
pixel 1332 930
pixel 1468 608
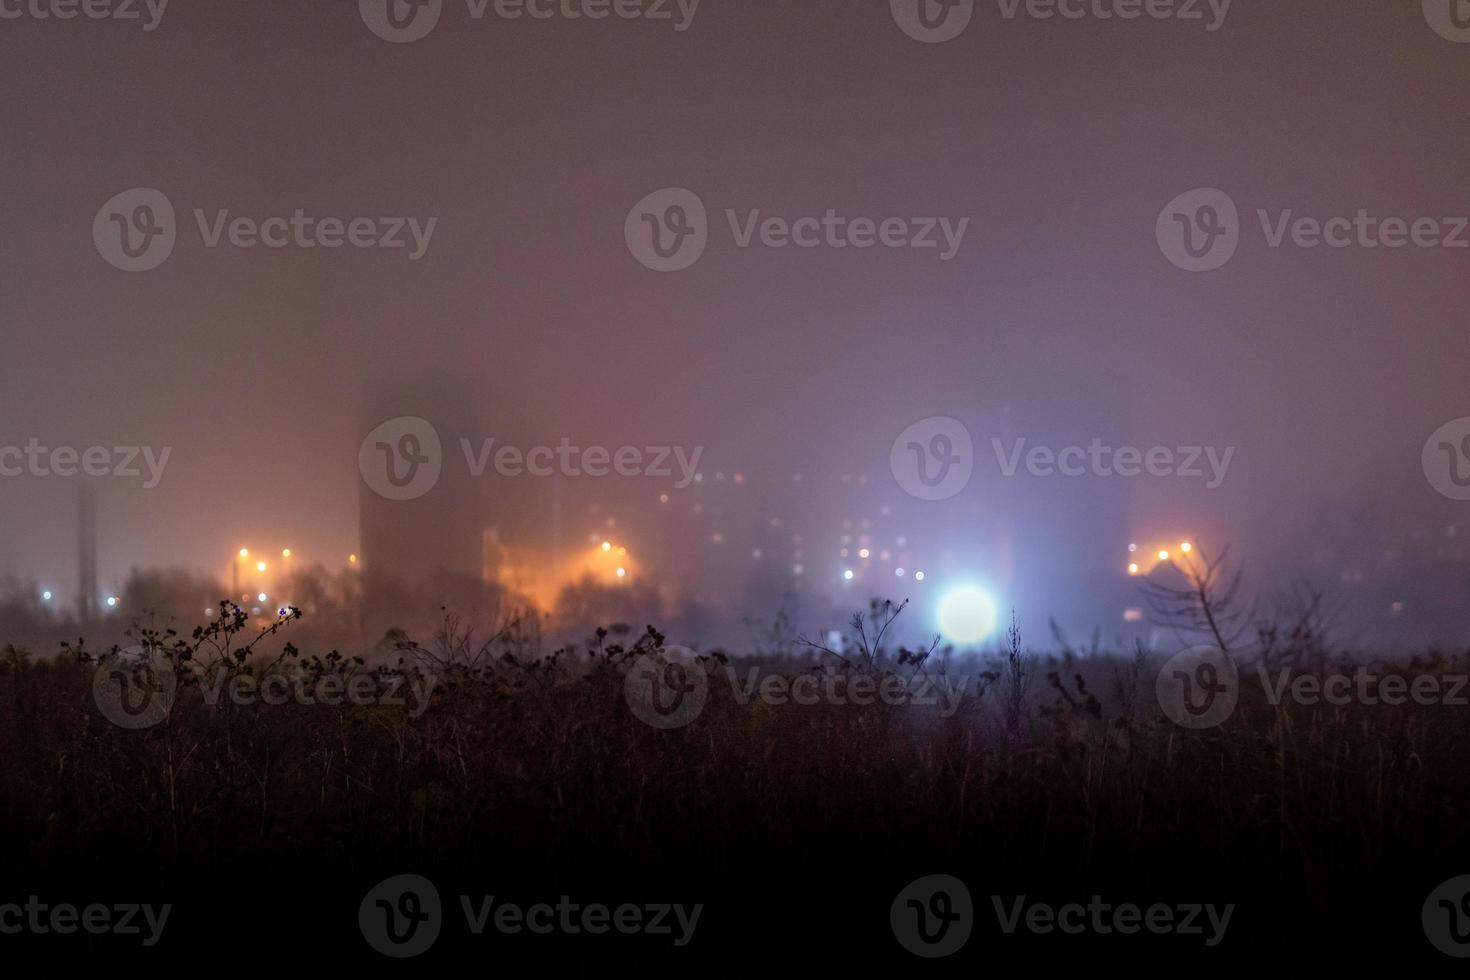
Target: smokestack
pixel 87 554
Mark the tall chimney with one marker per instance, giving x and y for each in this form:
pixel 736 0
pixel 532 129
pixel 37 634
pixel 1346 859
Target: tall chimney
pixel 87 554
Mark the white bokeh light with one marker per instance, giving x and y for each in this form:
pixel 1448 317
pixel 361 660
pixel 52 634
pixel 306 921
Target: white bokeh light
pixel 967 615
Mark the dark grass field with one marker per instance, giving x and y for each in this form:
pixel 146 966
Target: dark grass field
pixel 795 827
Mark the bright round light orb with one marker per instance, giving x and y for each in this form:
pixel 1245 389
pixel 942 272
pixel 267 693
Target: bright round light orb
pixel 967 615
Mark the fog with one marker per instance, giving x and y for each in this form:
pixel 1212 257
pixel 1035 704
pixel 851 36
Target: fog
pixel 505 155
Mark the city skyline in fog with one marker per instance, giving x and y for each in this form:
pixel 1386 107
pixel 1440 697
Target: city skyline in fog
pixel 352 211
